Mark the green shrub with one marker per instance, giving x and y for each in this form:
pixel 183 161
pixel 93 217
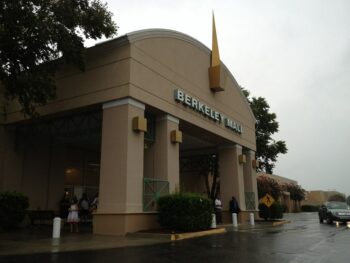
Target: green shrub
pixel 13 208
pixel 185 212
pixel 276 211
pixel 309 208
pixel 264 211
pixel 285 208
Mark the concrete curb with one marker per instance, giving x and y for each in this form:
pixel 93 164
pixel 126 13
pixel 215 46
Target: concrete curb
pixel 219 230
pixel 181 236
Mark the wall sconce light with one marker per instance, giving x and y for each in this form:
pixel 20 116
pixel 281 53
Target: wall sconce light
pixel 242 158
pixel 255 164
pixel 139 124
pixel 176 136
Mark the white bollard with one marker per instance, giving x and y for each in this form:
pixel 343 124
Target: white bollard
pixel 252 219
pixel 213 221
pixel 56 230
pixel 234 219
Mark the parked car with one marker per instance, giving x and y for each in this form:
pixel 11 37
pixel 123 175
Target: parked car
pixel 334 211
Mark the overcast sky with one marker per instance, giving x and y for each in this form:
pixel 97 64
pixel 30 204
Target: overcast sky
pixel 295 53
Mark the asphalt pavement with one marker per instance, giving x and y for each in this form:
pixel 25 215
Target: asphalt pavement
pixel 302 240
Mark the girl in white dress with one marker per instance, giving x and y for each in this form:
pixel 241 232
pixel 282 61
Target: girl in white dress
pixel 73 215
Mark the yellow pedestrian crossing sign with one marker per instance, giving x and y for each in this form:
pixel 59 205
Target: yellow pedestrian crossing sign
pixel 268 200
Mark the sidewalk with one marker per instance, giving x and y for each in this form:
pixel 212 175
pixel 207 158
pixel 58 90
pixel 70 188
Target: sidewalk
pixel 38 239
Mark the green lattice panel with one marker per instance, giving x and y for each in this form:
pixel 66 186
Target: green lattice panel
pixel 250 200
pixel 152 190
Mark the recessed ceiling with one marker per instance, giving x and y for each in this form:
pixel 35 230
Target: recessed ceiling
pixel 192 143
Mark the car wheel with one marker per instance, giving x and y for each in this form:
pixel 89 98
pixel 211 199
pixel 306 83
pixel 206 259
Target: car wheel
pixel 321 219
pixel 329 219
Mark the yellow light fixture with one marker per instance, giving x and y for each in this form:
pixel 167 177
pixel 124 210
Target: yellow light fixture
pixel 242 159
pixel 176 136
pixel 139 124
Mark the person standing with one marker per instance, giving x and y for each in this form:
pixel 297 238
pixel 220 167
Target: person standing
pixel 218 210
pixel 84 206
pixel 64 205
pixel 234 206
pixel 94 204
pixel 73 215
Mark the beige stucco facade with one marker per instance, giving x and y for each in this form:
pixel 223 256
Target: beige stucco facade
pixel 318 197
pixel 130 77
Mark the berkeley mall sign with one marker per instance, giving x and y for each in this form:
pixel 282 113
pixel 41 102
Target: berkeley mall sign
pixel 205 110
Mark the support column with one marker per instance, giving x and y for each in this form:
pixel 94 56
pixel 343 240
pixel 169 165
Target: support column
pixel 250 183
pixel 166 153
pixel 121 175
pixel 231 178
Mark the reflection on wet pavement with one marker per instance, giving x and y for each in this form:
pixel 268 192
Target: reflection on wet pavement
pixel 303 240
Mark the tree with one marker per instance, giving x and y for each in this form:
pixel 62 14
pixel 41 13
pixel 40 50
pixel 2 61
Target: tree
pixel 268 185
pixel 207 167
pixel 210 169
pixel 297 194
pixel 348 200
pixel 37 36
pixel 337 198
pixel 266 125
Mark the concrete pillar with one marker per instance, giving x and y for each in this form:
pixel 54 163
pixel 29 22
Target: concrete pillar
pixel 121 175
pixel 231 176
pixel 250 184
pixel 166 153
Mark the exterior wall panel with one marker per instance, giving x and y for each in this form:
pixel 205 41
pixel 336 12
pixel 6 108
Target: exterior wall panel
pixel 161 65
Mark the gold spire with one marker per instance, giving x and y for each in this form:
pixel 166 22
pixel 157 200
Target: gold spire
pixel 215 80
pixel 215 56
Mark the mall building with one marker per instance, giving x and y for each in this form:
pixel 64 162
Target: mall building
pixel 128 128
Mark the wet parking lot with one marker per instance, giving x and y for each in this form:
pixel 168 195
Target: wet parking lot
pixel 302 240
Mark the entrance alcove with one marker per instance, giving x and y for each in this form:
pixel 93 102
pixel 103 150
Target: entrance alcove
pixel 60 156
pixel 199 159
